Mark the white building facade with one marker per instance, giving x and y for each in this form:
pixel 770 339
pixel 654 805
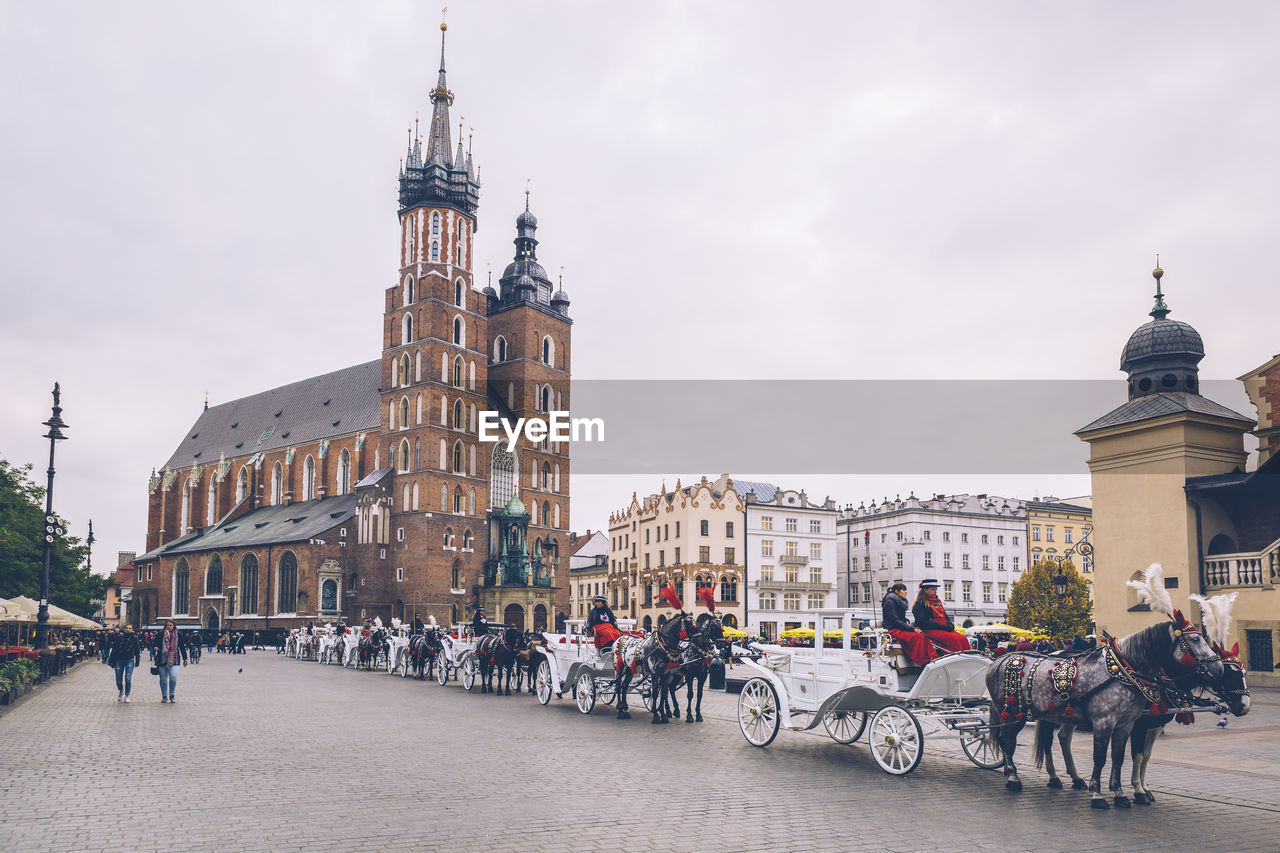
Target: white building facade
pixel 791 559
pixel 974 545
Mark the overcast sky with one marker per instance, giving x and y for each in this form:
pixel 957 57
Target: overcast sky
pixel 204 197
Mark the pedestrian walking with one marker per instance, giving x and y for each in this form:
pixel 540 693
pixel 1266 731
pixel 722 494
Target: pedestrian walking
pixel 125 654
pixel 170 653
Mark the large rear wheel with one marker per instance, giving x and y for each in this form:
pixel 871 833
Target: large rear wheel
pixel 896 740
pixel 758 715
pixel 543 682
pixel 585 692
pixel 844 726
pixel 442 671
pixel 468 673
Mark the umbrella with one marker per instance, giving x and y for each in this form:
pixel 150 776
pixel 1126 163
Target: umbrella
pixel 58 618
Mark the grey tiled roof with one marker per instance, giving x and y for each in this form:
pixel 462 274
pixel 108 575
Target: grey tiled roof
pixel 1159 405
pixel 373 478
pixel 764 492
pixel 337 403
pixel 156 552
pixel 1161 337
pixel 271 525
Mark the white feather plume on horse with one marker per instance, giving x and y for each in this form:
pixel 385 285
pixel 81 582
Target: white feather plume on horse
pixel 1216 612
pixel 431 620
pixel 1151 590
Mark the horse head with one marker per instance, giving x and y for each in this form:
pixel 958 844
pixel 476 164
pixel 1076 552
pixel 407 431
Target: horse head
pixel 513 637
pixel 1192 650
pixel 1232 687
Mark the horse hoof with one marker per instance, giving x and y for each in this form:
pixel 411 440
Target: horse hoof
pixel 1013 785
pixel 655 722
pixel 688 719
pixel 1055 784
pixel 1079 784
pixel 1140 799
pixel 1098 803
pixel 698 718
pixel 1122 802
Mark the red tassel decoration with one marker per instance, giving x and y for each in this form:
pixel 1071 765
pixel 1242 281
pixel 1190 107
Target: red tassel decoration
pixel 1155 709
pixel 1185 719
pixel 1052 707
pixel 1069 711
pixel 1188 661
pixel 1004 715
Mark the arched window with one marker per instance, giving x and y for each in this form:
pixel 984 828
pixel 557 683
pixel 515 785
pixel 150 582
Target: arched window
pixel 459 332
pixel 309 479
pixel 502 476
pixel 415 497
pixel 406 329
pixel 404 413
pixel 459 294
pixel 242 484
pixel 435 223
pixel 456 580
pixel 468 542
pixel 182 588
pixel 417 454
pixel 459 458
pixel 212 507
pixel 728 589
pixel 457 252
pixel 405 375
pixel 548 351
pixel 277 485
pixel 444 498
pixel 471 500
pixel 546 398
pixel 186 507
pixel 459 415
pixel 435 250
pixel 403 464
pixel 546 514
pixel 344 472
pixel 408 290
pixel 213 576
pixel 448 537
pixel 458 505
pixel 411 244
pixel 287 601
pixel 500 349
pixel 459 372
pixel 249 584
pixel 546 477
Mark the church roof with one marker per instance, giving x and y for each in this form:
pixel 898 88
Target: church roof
pixel 333 404
pixel 1162 404
pixel 270 525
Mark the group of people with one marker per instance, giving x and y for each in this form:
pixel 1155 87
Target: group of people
pixel 229 642
pixel 931 634
pixel 168 651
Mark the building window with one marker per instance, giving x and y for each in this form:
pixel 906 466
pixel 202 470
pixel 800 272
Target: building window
pixel 766 547
pixel 964 561
pixel 853 593
pixel 728 529
pixel 884 561
pixel 766 522
pixel 242 485
pixel 1015 564
pixel 1035 533
pixel 459 291
pixel 815 526
pixel 946 536
pixel 928 559
pixel 946 559
pixel 1000 563
pixel 548 351
pixel 898 564
pixel 900 535
pixel 928 536
pixel 1016 540
pixel 704 554
pixel 815 574
pixel 249 584
pixel 866 591
pixel 792 549
pixel 1048 533
pixel 213 577
pixel 817 601
pixel 277 485
pixel 728 590
pixel 986 593
pixel 677 557
pixel 309 479
pixel 500 349
pixel 986 562
pixel 288 599
pixel 1066 535
pixel 791 601
pixel 967 591
pixel 815 550
pixel 502 476
pixel 705 527
pixel 344 472
pixel 1004 593
pixel 435 250
pixel 768 601
pixel 728 556
pixel 791 525
pixel 435 223
pixel 182 588
pixel 766 573
pixel 792 573
pixel 964 538
pixel 459 332
pixel 459 372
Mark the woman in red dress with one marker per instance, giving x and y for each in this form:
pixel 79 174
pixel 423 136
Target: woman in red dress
pixel 932 619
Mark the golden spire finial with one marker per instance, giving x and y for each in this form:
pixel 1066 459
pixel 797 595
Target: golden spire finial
pixel 443 12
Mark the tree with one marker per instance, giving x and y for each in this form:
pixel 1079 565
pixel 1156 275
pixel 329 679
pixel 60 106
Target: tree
pixel 71 585
pixel 1034 605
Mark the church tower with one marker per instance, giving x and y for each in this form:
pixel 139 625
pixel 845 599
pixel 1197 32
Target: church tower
pixel 434 379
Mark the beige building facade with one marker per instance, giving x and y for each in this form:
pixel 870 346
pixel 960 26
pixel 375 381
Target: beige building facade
pixel 1171 485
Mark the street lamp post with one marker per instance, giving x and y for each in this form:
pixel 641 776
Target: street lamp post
pixel 51 528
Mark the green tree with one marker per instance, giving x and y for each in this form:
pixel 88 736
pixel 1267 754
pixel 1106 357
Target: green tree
pixel 1034 605
pixel 71 585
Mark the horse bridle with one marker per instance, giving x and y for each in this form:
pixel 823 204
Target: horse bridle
pixel 1181 644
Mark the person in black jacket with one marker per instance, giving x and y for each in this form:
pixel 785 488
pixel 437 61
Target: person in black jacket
pixel 893 611
pixel 932 619
pixel 603 624
pixel 479 624
pixel 126 653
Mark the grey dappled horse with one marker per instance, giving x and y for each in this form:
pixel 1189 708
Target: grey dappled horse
pixel 1110 689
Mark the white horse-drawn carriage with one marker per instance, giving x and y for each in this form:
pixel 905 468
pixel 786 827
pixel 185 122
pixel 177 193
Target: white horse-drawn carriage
pixel 867 683
pixel 571 663
pixel 458 656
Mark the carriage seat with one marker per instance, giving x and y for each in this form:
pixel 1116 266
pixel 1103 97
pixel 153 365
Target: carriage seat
pixel 900 660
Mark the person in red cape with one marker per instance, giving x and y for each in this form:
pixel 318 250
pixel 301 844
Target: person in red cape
pixel 603 623
pixel 932 619
pixel 894 618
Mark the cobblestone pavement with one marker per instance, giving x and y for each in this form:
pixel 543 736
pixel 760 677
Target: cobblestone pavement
pixel 290 756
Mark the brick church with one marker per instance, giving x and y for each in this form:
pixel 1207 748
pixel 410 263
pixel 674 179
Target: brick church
pixel 366 492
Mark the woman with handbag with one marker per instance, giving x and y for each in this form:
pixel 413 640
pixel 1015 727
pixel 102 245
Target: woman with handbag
pixel 170 653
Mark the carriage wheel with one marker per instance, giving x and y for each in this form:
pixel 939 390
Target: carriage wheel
pixel 606 692
pixel 896 740
pixel 543 682
pixel 585 692
pixel 982 747
pixel 758 715
pixel 442 672
pixel 645 698
pixel 468 673
pixel 844 726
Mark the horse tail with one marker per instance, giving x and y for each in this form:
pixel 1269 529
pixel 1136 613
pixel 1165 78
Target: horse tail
pixel 1044 741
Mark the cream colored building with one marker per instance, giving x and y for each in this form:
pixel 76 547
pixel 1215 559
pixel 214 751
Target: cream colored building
pixel 690 537
pixel 588 571
pixel 1170 485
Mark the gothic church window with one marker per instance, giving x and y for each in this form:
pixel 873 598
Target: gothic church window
pixel 213 503
pixel 459 294
pixel 213 577
pixel 435 223
pixel 404 370
pixel 435 250
pixel 287 601
pixel 249 584
pixel 548 351
pixel 182 588
pixel 344 472
pixel 277 485
pixel 242 484
pixel 458 460
pixel 459 332
pixel 404 413
pixel 406 329
pixel 404 455
pixel 459 419
pixel 500 349
pixel 458 506
pixel 308 479
pixel 502 476
pixel 459 372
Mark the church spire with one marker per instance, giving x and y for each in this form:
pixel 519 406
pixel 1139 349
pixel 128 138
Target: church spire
pixel 438 142
pixel 1161 310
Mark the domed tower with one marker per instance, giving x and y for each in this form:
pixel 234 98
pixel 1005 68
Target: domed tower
pixel 1163 355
